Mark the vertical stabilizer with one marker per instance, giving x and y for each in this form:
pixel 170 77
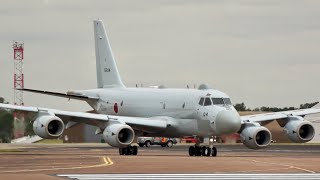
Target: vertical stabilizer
pixel 107 71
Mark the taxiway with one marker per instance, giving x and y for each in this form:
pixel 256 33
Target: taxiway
pixel 38 160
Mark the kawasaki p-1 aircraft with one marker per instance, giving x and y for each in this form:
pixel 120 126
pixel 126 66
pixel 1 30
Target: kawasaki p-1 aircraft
pixel 122 113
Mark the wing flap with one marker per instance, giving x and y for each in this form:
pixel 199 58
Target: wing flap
pixel 154 122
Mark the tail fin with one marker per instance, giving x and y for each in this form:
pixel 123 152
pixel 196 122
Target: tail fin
pixel 107 71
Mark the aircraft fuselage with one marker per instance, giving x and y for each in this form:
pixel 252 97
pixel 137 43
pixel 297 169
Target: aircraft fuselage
pixel 191 116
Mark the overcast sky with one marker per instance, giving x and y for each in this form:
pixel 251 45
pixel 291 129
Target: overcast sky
pixel 259 52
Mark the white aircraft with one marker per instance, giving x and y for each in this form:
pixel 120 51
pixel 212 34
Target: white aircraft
pixel 123 113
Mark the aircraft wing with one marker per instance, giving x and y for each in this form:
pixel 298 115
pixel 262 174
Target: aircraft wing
pixel 278 115
pixel 72 118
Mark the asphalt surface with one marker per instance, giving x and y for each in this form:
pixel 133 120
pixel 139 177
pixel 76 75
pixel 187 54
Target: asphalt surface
pixel 36 161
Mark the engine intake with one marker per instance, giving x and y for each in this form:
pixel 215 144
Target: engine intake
pixel 48 126
pixel 256 137
pixel 298 130
pixel 118 135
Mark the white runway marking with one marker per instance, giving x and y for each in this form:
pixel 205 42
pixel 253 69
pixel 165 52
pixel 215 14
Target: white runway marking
pixel 286 165
pixel 192 176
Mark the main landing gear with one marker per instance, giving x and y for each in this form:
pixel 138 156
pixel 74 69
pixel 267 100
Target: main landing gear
pixel 198 150
pixel 130 150
pixel 202 151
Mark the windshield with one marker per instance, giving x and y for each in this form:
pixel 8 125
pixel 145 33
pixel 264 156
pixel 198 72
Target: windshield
pixel 227 101
pixel 206 101
pixel 221 101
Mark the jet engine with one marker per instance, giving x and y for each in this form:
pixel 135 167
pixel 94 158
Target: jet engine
pixel 298 130
pixel 118 135
pixel 256 137
pixel 48 126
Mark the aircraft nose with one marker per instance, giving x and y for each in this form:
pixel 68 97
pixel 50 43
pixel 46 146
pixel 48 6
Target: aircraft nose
pixel 227 122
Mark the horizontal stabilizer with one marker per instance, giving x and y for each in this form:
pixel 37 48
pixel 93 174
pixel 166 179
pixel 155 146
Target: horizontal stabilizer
pixel 65 95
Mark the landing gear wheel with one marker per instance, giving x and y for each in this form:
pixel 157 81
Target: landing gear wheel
pixel 203 150
pixel 208 151
pixel 147 143
pixel 214 151
pixel 191 151
pixel 197 151
pixel 121 151
pixel 134 150
pixel 169 144
pixel 129 150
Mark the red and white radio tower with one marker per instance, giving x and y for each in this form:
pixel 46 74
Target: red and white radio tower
pixel 18 125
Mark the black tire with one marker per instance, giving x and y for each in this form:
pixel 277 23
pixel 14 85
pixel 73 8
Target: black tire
pixel 147 143
pixel 128 150
pixel 134 150
pixel 169 143
pixel 141 145
pixel 125 151
pixel 203 150
pixel 214 151
pixel 208 153
pixel 163 145
pixel 122 151
pixel 191 151
pixel 197 151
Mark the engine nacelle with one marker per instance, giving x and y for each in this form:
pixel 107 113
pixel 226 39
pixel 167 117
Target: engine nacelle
pixel 256 137
pixel 48 126
pixel 298 130
pixel 118 135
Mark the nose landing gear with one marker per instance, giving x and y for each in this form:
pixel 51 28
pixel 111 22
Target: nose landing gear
pixel 198 150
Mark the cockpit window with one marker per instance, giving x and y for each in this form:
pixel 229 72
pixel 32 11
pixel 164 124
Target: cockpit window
pixel 201 101
pixel 227 101
pixel 221 101
pixel 217 101
pixel 207 102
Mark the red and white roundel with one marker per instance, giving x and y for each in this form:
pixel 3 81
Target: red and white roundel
pixel 115 107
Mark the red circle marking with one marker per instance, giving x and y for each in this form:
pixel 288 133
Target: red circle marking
pixel 115 108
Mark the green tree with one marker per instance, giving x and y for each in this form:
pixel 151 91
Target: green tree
pixel 256 109
pixel 308 105
pixel 240 107
pixel 6 123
